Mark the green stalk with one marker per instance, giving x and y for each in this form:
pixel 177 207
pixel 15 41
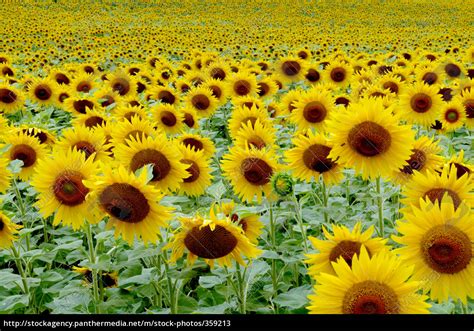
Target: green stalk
pixel 21 207
pixel 325 201
pixel 19 265
pixel 299 220
pixel 92 259
pixel 380 206
pixel 273 245
pixel 171 291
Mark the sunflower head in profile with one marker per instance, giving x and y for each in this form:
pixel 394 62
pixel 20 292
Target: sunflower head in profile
pixel 467 100
pixel 420 104
pixel 266 88
pixel 165 95
pixel 59 182
pixel 438 240
pixel 290 69
pixel 435 186
pixel 213 239
pixel 197 143
pixel 60 76
pixel 79 103
pixel 245 115
pixel 313 110
pixel 429 74
pixel 202 101
pixel 462 167
pixel 44 136
pixel 250 223
pixel 218 70
pixel 106 279
pixel 168 119
pixel 163 155
pixel 83 83
pixel 368 138
pixel 198 171
pixel 249 170
pixel 26 149
pixel 11 98
pixel 8 231
pixel 107 98
pixel 378 284
pixel 241 84
pixel 42 91
pixel 338 73
pixel 289 100
pixel 190 117
pixel 255 134
pixel 136 127
pixel 130 202
pixel 343 243
pixel 309 158
pixel 92 119
pixel 218 89
pixel 122 83
pixel 452 115
pixel 90 143
pixel 425 157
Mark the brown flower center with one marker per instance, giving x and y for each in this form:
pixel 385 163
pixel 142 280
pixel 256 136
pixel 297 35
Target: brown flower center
pixel 43 92
pixel 345 249
pixel 94 121
pixel 338 74
pixel 209 244
pixel 416 162
pixel 189 120
pixel 420 102
pixel 451 115
pixel 291 68
pixel 161 165
pixel 85 147
pixel 256 142
pixel 263 89
pixel 216 91
pixel 312 75
pixel 430 78
pixel 194 143
pixel 168 118
pixel 392 86
pixel 62 79
pixel 314 112
pixel 469 108
pixel 446 249
pixel 166 97
pixel 316 158
pixel 69 189
pixel 200 102
pixel 242 87
pixel 218 73
pixel 452 70
pixel 7 96
pixel 83 87
pixel 81 105
pixel 124 202
pixel 437 194
pixel 370 297
pixel 121 86
pixel 24 153
pixel 193 171
pixel 461 170
pixel 256 171
pixel 369 139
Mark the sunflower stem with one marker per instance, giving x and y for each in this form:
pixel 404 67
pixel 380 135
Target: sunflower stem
pixel 241 288
pixel 299 219
pixel 273 245
pixel 92 259
pixel 171 292
pixel 380 206
pixel 21 207
pixel 325 201
pixel 19 265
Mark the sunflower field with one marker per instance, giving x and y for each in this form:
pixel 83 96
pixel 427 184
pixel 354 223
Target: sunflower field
pixel 236 157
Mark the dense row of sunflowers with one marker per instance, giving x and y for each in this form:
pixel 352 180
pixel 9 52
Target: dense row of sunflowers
pixel 134 135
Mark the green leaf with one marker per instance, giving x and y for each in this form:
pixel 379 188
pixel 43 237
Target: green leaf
pixel 217 190
pixel 13 303
pixel 15 166
pixel 294 298
pixel 149 171
pixel 143 278
pixel 210 281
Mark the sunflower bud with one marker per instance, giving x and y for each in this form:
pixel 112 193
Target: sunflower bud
pixel 282 184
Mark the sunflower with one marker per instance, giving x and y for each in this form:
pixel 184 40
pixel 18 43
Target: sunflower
pixel 11 98
pixel 266 87
pixel 429 74
pixel 27 149
pixel 168 171
pixel 106 97
pixel 5 174
pixel 290 69
pixel 78 103
pixel 247 101
pixel 91 119
pixel 58 180
pixel 344 244
pixel 168 118
pixel 468 103
pixel 338 73
pixel 368 138
pixel 439 241
pixel 122 83
pixel 420 104
pixel 256 135
pixel 85 140
pixel 218 70
pixel 313 110
pixel 126 112
pixel 391 83
pixel 190 117
pixel 313 74
pixel 218 89
pixel 199 172
pixel 42 91
pixel 242 84
pixel 309 158
pixel 249 170
pixel 197 143
pixel 106 279
pixel 461 166
pixel 83 83
pixel 250 223
pixel 244 115
pixel 166 95
pixel 452 115
pixel 289 100
pixel 61 77
pixel 202 101
pixel 136 127
pixel 130 202
pixel 371 285
pixel 8 231
pixel 214 240
pixel 435 186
